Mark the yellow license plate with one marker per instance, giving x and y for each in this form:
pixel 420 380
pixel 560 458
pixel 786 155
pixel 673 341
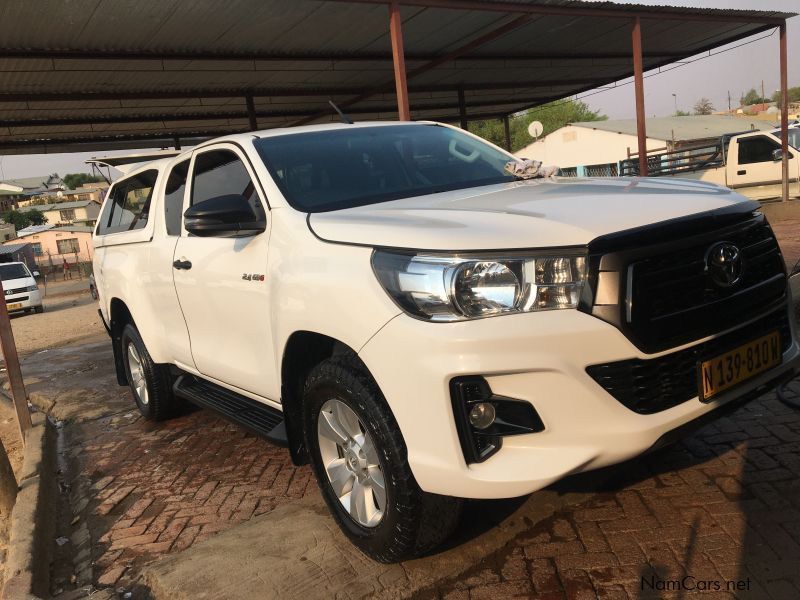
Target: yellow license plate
pixel 15 306
pixel 727 370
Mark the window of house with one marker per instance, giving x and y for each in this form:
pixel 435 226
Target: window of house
pixel 173 197
pixel 127 209
pixel 37 248
pixel 67 215
pixel 68 246
pixel 222 172
pixel 757 149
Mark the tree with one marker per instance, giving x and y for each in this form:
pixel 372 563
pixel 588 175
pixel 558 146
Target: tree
pixel 752 97
pixel 21 220
pixel 682 113
pixel 552 116
pixel 793 92
pixel 36 217
pixel 703 107
pixel 76 180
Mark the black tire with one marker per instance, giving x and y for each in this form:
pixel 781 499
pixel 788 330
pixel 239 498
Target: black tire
pixel 414 521
pixel 38 309
pixel 161 403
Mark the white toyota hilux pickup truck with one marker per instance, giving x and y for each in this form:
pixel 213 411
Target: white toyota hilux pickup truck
pixel 422 326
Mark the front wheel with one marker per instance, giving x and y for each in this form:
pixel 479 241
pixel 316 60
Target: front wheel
pixel 360 462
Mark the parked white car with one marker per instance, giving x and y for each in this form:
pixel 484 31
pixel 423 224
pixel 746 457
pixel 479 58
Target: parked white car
pixel 421 326
pixel 21 290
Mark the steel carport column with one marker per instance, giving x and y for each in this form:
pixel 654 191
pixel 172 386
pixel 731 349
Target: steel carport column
pixel 638 77
pixel 13 369
pixel 398 58
pixel 784 115
pixel 462 109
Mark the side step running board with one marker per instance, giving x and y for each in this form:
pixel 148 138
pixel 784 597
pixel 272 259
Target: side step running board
pixel 260 418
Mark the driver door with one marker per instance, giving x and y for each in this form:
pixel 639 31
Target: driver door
pixel 221 281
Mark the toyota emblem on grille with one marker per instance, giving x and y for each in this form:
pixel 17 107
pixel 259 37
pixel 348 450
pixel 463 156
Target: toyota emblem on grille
pixel 724 264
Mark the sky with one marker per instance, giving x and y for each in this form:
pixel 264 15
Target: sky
pixel 735 70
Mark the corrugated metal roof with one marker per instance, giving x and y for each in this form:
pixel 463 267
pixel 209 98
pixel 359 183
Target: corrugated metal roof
pixel 108 72
pixel 34 229
pixel 682 128
pixel 56 206
pixel 7 248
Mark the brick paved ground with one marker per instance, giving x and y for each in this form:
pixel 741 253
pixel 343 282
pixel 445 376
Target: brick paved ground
pixel 722 505
pixel 788 234
pixel 146 488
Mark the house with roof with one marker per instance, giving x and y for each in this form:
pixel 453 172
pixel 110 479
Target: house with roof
pixel 82 212
pixel 592 143
pixel 52 245
pixel 12 191
pixel 18 252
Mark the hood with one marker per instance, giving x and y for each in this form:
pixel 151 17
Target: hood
pixel 15 284
pixel 525 214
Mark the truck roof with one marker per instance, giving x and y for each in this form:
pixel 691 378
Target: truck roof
pixel 267 133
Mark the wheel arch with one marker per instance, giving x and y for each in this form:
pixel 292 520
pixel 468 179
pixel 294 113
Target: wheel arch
pixel 119 316
pixel 301 353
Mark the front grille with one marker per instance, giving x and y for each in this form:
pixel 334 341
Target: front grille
pixel 13 300
pixel 653 284
pixel 676 282
pixel 16 291
pixel 656 384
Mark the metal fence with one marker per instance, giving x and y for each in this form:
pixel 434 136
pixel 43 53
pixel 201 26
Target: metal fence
pixel 52 266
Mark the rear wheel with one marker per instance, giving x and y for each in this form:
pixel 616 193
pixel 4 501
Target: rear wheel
pixel 150 383
pixel 360 461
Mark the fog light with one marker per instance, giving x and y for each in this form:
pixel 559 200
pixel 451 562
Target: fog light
pixel 482 415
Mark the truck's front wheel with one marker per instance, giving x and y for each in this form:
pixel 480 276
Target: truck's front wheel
pixel 151 383
pixel 360 461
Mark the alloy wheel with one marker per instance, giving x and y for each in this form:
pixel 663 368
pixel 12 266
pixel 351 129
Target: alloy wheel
pixel 138 380
pixel 351 463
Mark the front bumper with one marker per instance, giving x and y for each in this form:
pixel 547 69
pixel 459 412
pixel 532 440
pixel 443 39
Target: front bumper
pixel 24 301
pixel 537 357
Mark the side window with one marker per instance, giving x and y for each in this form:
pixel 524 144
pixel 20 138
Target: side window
pixel 173 197
pixel 756 149
pixel 127 208
pixel 222 172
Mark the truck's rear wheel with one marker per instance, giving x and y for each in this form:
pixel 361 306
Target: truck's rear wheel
pixel 360 461
pixel 150 383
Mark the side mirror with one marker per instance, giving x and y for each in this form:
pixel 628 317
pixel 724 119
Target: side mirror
pixel 777 155
pixel 35 273
pixel 223 216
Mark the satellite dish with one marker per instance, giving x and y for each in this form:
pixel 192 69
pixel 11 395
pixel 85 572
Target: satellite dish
pixel 535 129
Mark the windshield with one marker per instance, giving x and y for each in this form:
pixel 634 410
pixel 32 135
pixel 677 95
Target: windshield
pixel 794 137
pixel 13 271
pixel 342 168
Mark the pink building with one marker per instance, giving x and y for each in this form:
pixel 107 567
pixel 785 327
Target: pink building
pixel 52 245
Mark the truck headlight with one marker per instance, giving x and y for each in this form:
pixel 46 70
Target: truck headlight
pixel 441 287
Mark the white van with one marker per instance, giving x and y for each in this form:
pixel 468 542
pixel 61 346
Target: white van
pixel 22 293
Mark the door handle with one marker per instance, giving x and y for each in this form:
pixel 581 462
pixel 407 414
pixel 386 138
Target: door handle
pixel 742 172
pixel 183 265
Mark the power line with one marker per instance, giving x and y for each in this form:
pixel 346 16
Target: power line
pixel 660 71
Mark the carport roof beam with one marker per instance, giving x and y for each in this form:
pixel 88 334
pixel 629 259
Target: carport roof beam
pixel 567 10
